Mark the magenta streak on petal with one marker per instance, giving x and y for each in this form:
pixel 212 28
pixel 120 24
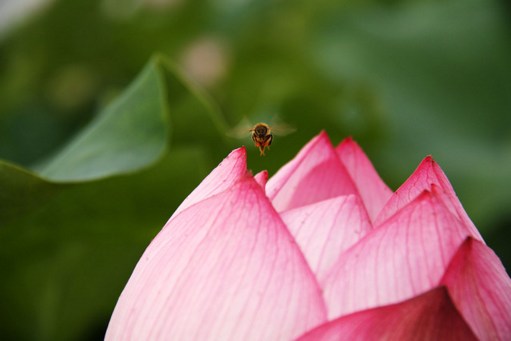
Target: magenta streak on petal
pixel 428 173
pixel 374 192
pixel 227 173
pixel 481 290
pixel 324 230
pixel 315 174
pixel 404 257
pixel 430 316
pixel 225 268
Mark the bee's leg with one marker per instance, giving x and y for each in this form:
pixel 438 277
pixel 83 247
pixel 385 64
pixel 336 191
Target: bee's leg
pixel 267 142
pixel 261 151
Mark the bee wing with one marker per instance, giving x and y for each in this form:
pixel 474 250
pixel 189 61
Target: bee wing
pixel 277 126
pixel 281 128
pixel 241 130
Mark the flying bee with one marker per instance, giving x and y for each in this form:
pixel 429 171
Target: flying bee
pixel 261 133
pixel 262 136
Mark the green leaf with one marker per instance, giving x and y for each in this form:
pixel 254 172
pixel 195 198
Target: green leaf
pixel 72 231
pixel 130 134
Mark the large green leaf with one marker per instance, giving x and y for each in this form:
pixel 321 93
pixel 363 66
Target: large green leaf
pixel 71 233
pixel 130 134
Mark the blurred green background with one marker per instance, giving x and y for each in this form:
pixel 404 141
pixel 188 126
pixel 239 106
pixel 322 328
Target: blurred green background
pixel 404 78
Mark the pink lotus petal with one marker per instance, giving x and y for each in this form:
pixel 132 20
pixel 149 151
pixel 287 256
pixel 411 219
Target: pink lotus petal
pixel 427 174
pixel 324 230
pixel 225 268
pixel 481 290
pixel 261 178
pixel 404 257
pixel 430 316
pixel 227 173
pixel 374 192
pixel 315 174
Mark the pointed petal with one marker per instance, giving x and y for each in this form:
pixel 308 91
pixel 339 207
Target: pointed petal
pixel 315 174
pixel 324 230
pixel 427 174
pixel 481 290
pixel 404 257
pixel 261 178
pixel 430 316
pixel 227 173
pixel 373 191
pixel 226 268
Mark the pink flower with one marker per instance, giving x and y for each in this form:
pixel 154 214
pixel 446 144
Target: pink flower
pixel 321 251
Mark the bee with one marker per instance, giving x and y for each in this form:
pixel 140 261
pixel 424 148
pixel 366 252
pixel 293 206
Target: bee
pixel 262 136
pixel 261 133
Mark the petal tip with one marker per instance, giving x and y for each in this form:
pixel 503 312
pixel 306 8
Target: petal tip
pixel 428 160
pixel 239 154
pixel 347 141
pixel 261 178
pixel 241 151
pixel 323 135
pixel 426 194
